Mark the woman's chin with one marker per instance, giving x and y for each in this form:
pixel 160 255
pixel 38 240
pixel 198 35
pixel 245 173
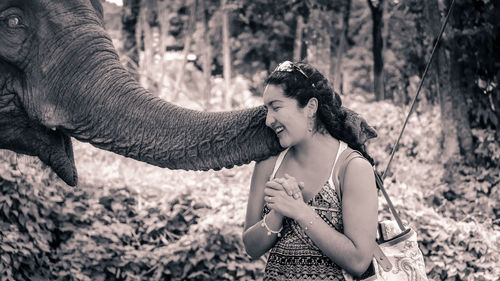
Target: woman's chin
pixel 284 142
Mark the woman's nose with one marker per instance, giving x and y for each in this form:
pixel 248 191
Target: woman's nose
pixel 269 119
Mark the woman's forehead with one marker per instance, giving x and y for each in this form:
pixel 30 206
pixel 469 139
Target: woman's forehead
pixel 273 92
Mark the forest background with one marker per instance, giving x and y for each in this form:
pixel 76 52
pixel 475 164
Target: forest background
pixel 131 221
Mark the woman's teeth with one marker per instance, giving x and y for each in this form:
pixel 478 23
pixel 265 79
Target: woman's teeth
pixel 279 130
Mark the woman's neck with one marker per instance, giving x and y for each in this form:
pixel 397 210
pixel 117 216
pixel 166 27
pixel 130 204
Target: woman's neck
pixel 316 146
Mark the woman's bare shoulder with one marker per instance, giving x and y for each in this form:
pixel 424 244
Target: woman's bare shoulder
pixel 359 174
pixel 263 169
pixel 360 164
pixel 266 164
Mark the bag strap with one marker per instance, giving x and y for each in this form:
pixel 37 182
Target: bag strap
pixel 380 186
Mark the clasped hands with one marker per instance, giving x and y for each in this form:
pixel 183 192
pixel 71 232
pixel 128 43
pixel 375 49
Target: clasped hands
pixel 284 195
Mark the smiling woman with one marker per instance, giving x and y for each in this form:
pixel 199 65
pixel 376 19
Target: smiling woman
pixel 294 208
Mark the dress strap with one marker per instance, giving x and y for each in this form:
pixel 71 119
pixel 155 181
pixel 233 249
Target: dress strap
pixel 342 146
pixel 281 156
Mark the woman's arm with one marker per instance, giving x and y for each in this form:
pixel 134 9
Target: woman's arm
pixel 353 249
pixel 255 237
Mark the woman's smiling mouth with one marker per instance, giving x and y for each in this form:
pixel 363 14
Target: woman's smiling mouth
pixel 279 129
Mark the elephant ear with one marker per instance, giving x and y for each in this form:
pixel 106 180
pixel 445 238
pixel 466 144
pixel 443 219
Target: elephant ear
pixel 362 130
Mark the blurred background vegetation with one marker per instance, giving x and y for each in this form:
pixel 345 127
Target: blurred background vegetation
pixel 131 221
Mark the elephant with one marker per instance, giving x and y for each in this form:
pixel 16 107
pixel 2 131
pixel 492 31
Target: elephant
pixel 61 77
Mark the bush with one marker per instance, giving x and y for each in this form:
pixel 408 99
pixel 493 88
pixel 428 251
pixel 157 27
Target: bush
pixel 27 221
pixel 53 232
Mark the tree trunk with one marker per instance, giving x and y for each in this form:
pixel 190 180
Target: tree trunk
pixel 130 14
pixel 164 25
pixel 459 82
pixel 226 54
pixel 460 107
pixel 188 39
pixel 378 62
pixel 207 55
pixel 299 30
pixel 495 100
pixel 337 73
pixel 495 96
pixel 148 28
pixel 386 17
pixel 318 40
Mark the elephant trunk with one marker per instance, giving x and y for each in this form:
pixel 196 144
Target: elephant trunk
pixel 108 108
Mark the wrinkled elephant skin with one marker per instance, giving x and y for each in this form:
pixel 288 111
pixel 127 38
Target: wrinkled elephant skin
pixel 61 77
pixel 25 136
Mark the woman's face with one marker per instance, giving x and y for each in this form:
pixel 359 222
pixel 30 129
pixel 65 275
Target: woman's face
pixel 284 116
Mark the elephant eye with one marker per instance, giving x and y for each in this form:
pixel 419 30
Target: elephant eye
pixel 14 21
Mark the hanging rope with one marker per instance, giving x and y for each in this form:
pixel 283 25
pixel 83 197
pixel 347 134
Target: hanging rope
pixel 395 147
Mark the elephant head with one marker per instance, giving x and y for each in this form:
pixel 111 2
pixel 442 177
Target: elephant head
pixel 61 77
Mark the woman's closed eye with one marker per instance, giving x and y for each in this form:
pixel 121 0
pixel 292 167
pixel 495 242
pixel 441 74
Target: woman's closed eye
pixel 273 107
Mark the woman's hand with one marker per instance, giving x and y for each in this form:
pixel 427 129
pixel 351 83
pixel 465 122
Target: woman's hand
pixel 284 195
pixel 291 186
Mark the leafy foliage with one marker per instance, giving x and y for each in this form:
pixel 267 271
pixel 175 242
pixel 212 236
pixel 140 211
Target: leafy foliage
pixel 115 233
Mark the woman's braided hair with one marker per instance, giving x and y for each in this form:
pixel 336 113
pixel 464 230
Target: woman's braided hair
pixel 330 115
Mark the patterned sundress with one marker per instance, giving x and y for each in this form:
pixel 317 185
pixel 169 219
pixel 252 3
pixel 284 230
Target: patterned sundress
pixel 294 256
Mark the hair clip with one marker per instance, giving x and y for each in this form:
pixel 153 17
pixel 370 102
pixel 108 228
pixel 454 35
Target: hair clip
pixel 288 66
